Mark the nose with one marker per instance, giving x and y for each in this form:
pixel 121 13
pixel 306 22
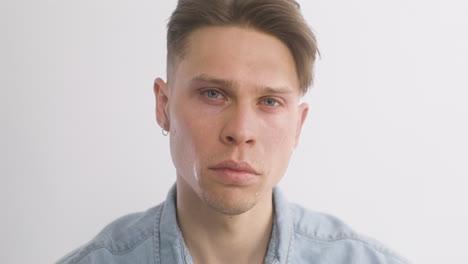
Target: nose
pixel 239 126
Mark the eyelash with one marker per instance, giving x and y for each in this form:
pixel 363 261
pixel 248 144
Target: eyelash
pixel 205 93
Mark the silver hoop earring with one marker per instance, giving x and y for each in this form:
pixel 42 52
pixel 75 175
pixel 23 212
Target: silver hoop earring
pixel 164 132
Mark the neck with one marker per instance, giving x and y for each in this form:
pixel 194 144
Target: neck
pixel 213 237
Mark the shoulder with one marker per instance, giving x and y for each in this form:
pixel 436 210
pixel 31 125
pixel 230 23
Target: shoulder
pixel 121 236
pixel 333 238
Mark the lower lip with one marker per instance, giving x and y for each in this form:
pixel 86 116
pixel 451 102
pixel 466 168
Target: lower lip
pixel 233 177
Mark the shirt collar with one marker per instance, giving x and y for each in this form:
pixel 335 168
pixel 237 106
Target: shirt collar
pixel 171 247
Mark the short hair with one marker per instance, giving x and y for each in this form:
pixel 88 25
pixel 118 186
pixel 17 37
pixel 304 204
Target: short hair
pixel 279 18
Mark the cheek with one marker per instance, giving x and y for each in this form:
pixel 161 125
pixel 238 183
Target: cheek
pixel 279 134
pixel 278 139
pixel 191 136
pixel 181 141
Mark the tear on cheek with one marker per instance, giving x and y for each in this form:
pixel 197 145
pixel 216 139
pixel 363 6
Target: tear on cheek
pixel 195 172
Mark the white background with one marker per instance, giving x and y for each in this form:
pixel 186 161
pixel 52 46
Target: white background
pixel 384 147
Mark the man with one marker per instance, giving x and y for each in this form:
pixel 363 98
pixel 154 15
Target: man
pixel 235 73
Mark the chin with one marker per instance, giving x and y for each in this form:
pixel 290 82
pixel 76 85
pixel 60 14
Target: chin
pixel 230 200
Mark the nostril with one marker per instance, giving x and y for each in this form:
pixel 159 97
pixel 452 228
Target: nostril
pixel 230 139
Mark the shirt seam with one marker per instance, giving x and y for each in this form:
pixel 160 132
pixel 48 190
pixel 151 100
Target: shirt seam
pixel 91 249
pixel 290 246
pixel 157 234
pixel 379 249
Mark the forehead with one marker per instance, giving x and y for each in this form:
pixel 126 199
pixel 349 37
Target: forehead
pixel 241 55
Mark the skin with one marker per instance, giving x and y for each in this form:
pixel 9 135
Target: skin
pixel 234 96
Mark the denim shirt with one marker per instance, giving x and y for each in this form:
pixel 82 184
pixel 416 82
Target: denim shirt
pixel 298 236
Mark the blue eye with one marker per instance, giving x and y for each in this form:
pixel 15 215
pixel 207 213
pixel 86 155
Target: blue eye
pixel 270 102
pixel 213 94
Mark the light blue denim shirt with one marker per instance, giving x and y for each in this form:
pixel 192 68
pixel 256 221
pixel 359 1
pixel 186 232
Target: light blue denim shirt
pixel 299 236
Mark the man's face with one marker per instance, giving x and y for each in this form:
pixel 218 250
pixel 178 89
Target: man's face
pixel 233 113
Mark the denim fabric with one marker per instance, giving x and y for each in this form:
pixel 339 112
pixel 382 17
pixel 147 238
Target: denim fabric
pixel 299 236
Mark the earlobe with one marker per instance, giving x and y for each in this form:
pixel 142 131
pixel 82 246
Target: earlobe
pixel 162 103
pixel 302 115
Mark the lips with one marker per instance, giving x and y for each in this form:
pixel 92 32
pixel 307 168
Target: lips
pixel 235 166
pixel 234 173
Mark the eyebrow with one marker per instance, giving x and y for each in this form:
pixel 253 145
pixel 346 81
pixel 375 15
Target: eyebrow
pixel 231 85
pixel 221 82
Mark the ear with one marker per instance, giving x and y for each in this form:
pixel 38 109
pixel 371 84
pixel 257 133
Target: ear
pixel 303 110
pixel 162 103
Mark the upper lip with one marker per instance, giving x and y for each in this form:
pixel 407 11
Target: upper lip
pixel 240 166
